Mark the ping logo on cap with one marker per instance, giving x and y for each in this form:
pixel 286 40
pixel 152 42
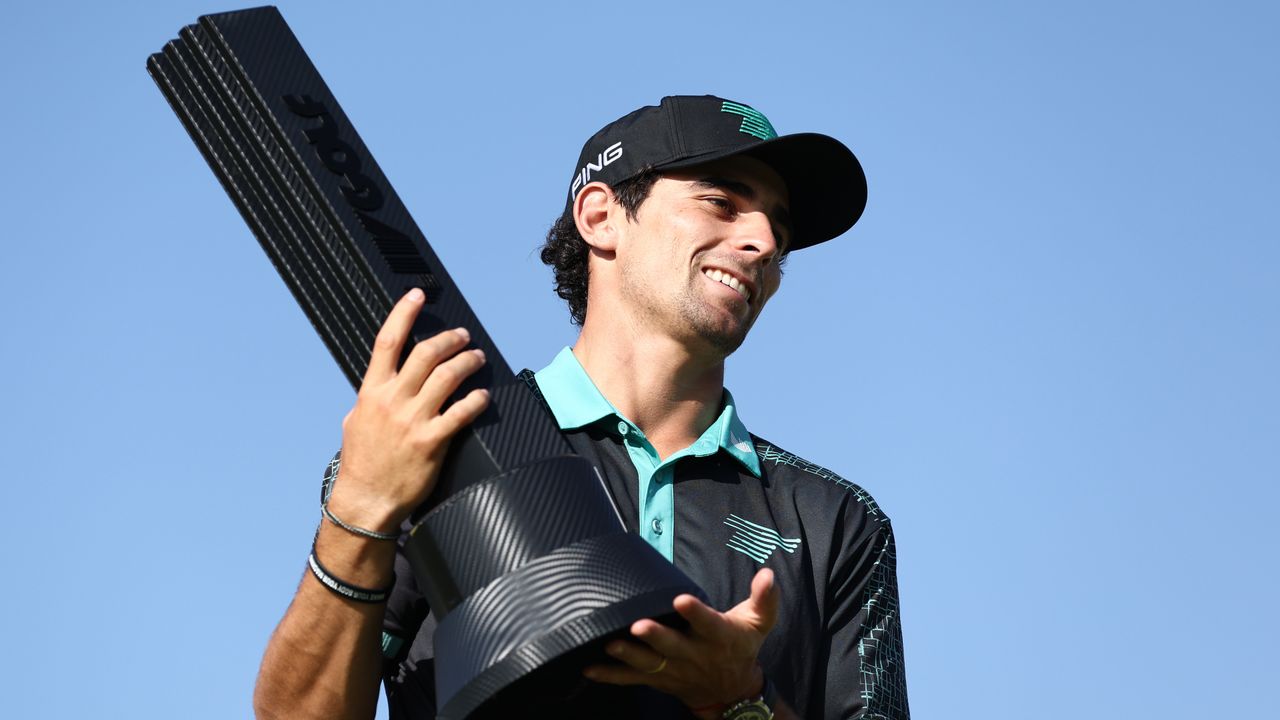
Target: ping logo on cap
pixel 753 122
pixel 583 176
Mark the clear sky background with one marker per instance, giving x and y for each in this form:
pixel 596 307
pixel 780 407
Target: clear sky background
pixel 1049 348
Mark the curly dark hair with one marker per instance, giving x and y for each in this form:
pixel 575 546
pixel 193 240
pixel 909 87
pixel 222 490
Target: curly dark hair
pixel 566 252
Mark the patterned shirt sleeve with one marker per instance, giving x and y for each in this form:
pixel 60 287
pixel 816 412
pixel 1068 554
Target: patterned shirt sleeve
pixel 865 631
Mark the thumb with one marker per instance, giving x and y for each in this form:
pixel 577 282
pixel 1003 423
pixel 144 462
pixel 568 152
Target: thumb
pixel 761 609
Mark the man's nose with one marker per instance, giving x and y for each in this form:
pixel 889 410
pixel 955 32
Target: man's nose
pixel 754 234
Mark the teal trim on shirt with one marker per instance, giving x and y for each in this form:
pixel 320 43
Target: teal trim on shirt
pixel 391 645
pixel 576 402
pixel 574 399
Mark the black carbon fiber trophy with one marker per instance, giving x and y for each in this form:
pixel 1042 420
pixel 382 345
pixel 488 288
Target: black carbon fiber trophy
pixel 521 603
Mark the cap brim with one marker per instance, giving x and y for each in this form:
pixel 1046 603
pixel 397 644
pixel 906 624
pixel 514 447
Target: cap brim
pixel 826 183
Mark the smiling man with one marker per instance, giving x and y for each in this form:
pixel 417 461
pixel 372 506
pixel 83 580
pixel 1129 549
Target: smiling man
pixel 678 220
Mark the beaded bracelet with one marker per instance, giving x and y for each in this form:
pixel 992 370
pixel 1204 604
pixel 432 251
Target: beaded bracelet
pixel 326 490
pixel 324 508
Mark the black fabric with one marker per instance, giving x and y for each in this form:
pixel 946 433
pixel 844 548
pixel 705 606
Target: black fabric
pixel 836 651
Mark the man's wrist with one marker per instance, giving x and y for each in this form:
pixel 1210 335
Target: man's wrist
pixel 709 712
pixel 361 561
pixel 363 513
pixel 758 687
pixel 345 589
pixel 757 707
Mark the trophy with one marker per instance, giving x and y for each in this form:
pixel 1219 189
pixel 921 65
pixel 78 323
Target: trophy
pixel 521 603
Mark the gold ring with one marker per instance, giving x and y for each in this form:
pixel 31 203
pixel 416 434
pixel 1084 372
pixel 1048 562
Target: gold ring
pixel 658 669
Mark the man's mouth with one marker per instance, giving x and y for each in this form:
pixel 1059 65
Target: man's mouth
pixel 725 278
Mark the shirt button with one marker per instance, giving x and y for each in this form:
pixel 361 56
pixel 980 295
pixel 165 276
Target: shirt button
pixel 622 428
pixel 657 526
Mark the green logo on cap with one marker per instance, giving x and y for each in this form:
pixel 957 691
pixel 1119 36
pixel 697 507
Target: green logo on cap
pixel 753 123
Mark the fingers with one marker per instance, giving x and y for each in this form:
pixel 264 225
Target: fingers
pixel 433 369
pixel 713 661
pixel 640 665
pixel 758 612
pixel 703 619
pixel 429 357
pixel 617 675
pixel 463 412
pixel 663 641
pixel 390 340
pixel 637 657
pixel 446 377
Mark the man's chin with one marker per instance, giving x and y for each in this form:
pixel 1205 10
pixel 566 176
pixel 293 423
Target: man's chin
pixel 724 340
pixel 722 327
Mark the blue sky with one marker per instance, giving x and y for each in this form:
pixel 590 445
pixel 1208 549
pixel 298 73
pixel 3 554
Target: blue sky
pixel 1049 348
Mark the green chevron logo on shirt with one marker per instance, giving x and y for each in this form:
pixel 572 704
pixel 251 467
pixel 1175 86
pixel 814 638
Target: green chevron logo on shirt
pixel 757 541
pixel 753 122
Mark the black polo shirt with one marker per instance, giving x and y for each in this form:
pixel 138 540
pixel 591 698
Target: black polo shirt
pixel 836 651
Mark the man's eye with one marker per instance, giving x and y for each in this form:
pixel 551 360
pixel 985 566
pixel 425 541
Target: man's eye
pixel 720 202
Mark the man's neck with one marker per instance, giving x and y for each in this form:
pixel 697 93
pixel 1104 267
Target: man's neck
pixel 671 394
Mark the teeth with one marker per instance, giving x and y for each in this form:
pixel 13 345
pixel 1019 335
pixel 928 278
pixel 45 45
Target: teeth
pixel 731 281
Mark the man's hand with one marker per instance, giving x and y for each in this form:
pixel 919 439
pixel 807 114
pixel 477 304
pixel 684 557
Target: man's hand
pixel 711 666
pixel 324 657
pixel 395 438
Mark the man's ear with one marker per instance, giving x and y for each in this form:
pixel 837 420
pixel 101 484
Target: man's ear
pixel 596 215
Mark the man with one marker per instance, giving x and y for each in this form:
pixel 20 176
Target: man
pixel 678 220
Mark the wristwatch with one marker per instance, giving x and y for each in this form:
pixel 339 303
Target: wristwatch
pixel 753 709
pixel 757 708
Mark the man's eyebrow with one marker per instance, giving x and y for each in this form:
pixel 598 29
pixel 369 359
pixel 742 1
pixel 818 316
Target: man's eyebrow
pixel 779 214
pixel 719 183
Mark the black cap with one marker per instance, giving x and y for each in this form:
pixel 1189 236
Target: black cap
pixel 827 186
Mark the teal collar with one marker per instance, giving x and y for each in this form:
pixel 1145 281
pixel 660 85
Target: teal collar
pixel 576 402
